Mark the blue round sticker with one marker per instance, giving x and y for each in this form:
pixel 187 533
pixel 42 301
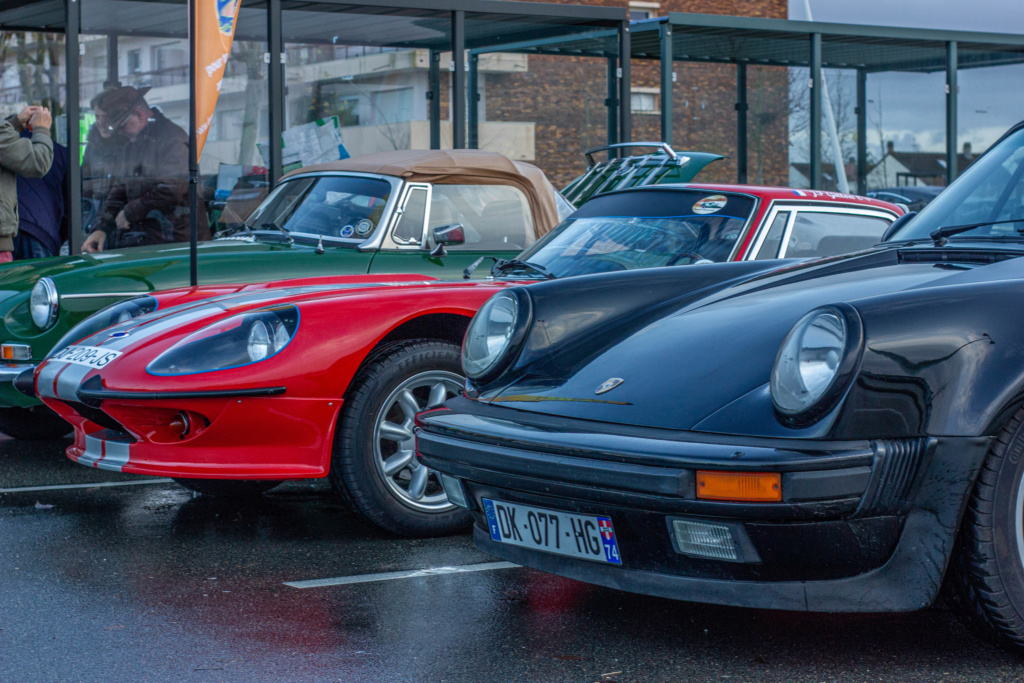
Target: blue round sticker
pixel 347 231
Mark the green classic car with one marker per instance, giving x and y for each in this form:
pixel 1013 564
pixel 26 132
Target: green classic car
pixel 372 214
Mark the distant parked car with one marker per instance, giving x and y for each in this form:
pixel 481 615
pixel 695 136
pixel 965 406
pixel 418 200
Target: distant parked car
pixel 324 377
pixel 914 197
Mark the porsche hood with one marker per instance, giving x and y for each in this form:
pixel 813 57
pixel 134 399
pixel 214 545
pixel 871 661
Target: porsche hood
pixel 672 363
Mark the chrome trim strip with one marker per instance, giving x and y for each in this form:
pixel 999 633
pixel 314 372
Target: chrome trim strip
pixel 102 295
pixel 9 372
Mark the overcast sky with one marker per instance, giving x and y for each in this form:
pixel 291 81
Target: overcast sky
pixel 911 106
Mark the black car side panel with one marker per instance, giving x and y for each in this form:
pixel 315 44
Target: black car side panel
pixel 945 361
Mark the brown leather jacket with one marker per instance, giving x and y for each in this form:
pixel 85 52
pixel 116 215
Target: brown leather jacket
pixel 29 157
pixel 153 192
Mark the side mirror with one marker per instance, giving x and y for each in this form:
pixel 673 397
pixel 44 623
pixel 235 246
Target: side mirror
pixel 896 225
pixel 444 235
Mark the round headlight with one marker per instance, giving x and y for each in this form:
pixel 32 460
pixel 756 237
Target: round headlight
pixel 490 334
pixel 44 303
pixel 809 360
pixel 259 346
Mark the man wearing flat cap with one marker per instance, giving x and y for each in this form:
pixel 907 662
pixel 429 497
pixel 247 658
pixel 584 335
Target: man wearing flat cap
pixel 148 204
pixel 30 157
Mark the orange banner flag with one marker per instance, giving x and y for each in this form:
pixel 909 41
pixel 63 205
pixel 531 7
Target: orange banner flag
pixel 215 31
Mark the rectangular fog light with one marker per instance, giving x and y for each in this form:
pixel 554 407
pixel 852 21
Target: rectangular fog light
pixel 704 539
pixel 453 487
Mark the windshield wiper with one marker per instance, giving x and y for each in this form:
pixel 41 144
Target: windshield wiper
pixel 468 272
pixel 502 265
pixel 939 236
pixel 284 231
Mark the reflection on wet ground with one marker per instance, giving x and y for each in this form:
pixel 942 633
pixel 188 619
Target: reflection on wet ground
pixel 152 583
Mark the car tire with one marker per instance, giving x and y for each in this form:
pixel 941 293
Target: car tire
pixel 37 423
pixel 406 500
pixel 988 564
pixel 228 488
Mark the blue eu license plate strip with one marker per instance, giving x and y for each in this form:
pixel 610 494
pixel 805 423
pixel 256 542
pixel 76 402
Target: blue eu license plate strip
pixel 586 537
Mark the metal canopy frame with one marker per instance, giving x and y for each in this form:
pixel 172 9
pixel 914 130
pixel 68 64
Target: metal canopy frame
pixel 463 27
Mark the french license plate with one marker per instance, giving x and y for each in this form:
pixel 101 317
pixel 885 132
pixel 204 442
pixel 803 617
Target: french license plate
pixel 583 536
pixel 92 356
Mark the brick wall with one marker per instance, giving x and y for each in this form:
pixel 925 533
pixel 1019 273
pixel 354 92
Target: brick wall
pixel 565 97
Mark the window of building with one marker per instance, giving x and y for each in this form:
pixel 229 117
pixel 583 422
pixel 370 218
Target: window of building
pixel 134 61
pixel 638 11
pixel 645 100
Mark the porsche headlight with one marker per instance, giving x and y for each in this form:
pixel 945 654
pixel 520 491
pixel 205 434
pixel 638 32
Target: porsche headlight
pixel 115 314
pixel 818 354
pixel 493 332
pixel 233 342
pixel 44 303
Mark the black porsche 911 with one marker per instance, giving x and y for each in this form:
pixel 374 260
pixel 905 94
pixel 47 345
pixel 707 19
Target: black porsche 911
pixel 835 435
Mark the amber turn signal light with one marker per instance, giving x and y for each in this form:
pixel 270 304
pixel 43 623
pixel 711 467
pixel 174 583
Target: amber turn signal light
pixel 748 487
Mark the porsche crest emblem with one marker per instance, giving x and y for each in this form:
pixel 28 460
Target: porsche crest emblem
pixel 608 385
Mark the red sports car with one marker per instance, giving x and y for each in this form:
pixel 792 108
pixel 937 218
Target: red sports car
pixel 232 389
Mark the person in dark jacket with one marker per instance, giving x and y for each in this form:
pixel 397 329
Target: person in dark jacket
pixel 42 224
pixel 149 204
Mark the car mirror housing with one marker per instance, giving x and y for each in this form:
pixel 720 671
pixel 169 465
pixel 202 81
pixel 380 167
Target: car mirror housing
pixel 446 235
pixel 897 225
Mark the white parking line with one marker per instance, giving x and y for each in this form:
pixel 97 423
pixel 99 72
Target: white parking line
pixel 391 576
pixel 25 489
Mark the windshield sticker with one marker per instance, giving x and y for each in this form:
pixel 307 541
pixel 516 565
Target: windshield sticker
pixel 715 202
pixel 346 231
pixel 364 227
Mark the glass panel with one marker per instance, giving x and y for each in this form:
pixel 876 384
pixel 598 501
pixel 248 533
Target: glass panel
pixel 986 107
pixel 495 217
pixel 829 234
pixel 772 242
pixel 410 227
pixel 839 131
pixel 332 206
pixel 770 108
pixel 135 112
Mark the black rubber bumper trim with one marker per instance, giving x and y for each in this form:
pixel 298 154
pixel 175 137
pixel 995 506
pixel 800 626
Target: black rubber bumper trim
pixel 105 394
pixel 908 581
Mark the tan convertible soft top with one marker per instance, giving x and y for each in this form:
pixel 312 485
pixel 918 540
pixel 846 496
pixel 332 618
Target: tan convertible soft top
pixel 458 167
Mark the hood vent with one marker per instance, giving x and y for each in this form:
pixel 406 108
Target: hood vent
pixel 966 256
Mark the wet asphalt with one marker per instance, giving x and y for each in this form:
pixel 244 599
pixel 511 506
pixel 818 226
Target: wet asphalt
pixel 151 583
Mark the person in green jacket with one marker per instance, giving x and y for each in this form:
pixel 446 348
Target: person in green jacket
pixel 29 157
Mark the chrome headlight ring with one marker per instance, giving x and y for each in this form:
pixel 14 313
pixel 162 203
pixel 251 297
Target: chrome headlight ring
pixel 495 334
pixel 815 364
pixel 44 303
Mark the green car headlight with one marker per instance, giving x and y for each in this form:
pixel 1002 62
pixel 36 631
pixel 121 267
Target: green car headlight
pixel 44 303
pixel 230 343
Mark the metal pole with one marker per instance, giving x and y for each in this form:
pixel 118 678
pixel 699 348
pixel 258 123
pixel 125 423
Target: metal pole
pixel 862 131
pixel 814 92
pixel 193 151
pixel 625 92
pixel 458 113
pixel 72 28
pixel 434 97
pixel 952 90
pixel 611 103
pixel 113 66
pixel 275 86
pixel 474 101
pixel 741 123
pixel 665 35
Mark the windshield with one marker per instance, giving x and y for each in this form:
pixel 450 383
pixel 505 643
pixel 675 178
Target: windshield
pixel 345 207
pixel 990 190
pixel 643 229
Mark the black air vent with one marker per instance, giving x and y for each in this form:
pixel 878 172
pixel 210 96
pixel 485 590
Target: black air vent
pixel 896 467
pixel 971 256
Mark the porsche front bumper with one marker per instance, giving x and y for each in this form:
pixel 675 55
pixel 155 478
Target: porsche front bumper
pixel 863 526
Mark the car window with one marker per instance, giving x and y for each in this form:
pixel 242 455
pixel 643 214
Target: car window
pixel 817 234
pixel 562 206
pixel 495 217
pixel 410 226
pixel 333 206
pixel 772 242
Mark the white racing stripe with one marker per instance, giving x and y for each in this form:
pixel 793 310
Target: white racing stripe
pixel 98 484
pixel 391 576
